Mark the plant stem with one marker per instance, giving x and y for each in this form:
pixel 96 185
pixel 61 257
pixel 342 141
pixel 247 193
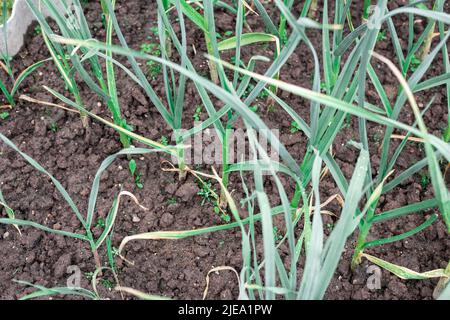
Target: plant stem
pixel 225 181
pixel 426 47
pixel 94 250
pixel 364 232
pixel 84 117
pixel 181 160
pixel 168 44
pixel 360 244
pixel 225 161
pixel 212 65
pixel 110 87
pixel 98 263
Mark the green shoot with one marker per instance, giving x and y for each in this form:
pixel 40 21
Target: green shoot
pixel 295 127
pixel 164 140
pixel 101 223
pixel 206 192
pixel 381 36
pixel 198 113
pixel 136 175
pixel 4 115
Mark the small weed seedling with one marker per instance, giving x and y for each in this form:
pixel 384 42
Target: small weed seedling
pixel 206 192
pixel 89 275
pixel 137 176
pixel 424 180
pixel 381 36
pixel 4 115
pixel 164 140
pixel 108 284
pixel 154 69
pixel 172 200
pixel 209 195
pixel 37 30
pixel 225 217
pixel 101 223
pixel 198 113
pixel 53 126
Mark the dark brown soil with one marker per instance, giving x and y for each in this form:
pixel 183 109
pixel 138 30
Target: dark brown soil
pixel 177 269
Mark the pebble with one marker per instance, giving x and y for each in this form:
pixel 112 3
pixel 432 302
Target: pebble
pixel 166 220
pixel 187 191
pixel 136 219
pixel 201 252
pixel 6 235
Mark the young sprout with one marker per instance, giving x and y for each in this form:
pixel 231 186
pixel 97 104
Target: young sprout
pixel 382 36
pixel 164 140
pixel 197 114
pixel 87 220
pixel 206 192
pixel 172 200
pixel 4 115
pixel 101 223
pixel 295 127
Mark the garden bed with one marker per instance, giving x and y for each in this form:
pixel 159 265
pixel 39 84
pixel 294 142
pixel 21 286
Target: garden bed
pixel 177 269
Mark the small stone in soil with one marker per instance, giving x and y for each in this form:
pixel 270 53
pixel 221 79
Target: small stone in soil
pixel 187 191
pixel 62 264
